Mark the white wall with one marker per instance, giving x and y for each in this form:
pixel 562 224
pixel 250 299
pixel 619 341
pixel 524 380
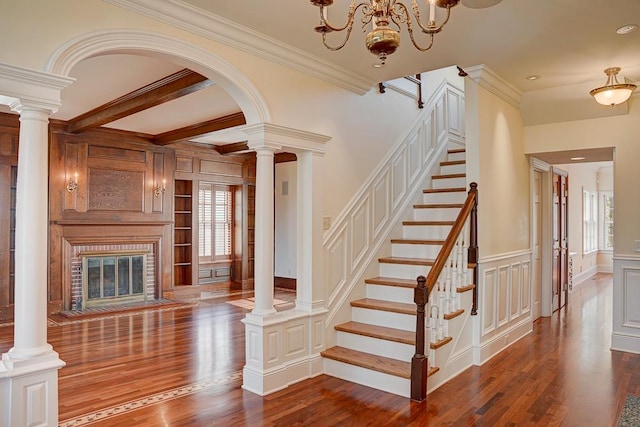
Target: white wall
pixel 285 219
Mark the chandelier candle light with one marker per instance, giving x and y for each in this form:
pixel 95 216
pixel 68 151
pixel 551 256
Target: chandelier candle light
pixel 383 40
pixel 613 92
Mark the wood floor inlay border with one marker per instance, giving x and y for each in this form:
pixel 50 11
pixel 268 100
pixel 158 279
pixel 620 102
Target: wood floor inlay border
pixel 153 399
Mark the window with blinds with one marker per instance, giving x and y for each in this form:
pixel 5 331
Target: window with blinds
pixel 215 228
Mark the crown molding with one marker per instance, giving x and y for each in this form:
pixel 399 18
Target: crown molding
pixel 488 79
pixel 197 21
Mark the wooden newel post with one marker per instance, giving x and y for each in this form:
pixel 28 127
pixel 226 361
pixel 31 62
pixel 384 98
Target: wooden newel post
pixel 473 245
pixel 419 362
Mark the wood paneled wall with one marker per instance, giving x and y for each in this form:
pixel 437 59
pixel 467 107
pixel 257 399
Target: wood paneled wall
pixel 9 133
pixel 114 203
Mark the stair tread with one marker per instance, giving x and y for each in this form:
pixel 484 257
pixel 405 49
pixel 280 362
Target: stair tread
pixel 418 241
pixel 393 307
pixel 383 364
pixel 450 175
pixel 392 281
pixel 381 332
pixel 445 190
pixel 457 150
pixel 435 223
pixel 388 334
pixel 453 162
pixel 438 205
pixel 406 261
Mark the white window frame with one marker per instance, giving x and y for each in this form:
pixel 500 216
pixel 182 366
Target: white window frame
pixel 589 222
pixel 603 222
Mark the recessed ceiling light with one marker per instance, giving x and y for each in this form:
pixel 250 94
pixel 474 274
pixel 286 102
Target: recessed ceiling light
pixel 532 77
pixel 577 158
pixel 626 29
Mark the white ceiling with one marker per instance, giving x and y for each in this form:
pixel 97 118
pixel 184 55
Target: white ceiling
pixel 568 43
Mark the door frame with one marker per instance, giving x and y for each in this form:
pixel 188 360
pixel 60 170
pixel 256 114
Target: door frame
pixel 546 218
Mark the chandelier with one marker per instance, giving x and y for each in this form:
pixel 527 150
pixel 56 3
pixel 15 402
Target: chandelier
pixel 613 92
pixel 383 40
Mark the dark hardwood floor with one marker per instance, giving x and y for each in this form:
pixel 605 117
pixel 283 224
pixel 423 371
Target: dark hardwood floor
pixel 181 366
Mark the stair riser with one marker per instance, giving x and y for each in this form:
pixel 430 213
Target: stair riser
pixel 449 182
pixel 447 169
pixel 425 231
pixel 415 251
pixel 449 197
pixel 383 318
pixel 390 293
pixel 391 349
pixel 456 156
pixel 367 377
pixel 435 214
pixel 403 271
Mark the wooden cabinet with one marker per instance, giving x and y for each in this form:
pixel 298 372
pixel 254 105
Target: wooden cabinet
pixel 183 233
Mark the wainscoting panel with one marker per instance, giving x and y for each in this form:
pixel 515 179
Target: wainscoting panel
pixel 517 286
pixel 489 302
pixel 381 207
pixel 505 304
pixel 503 295
pixel 361 228
pixel 626 304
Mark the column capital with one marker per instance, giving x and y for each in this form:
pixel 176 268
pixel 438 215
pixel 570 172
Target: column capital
pixel 23 88
pixel 296 140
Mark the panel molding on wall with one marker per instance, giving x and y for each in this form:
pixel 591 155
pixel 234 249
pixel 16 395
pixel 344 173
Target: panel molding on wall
pixel 365 223
pixel 625 334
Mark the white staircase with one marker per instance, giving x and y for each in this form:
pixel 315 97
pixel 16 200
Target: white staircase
pixel 375 348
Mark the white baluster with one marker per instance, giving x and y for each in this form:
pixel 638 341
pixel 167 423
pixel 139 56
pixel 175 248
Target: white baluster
pixel 447 287
pixel 434 323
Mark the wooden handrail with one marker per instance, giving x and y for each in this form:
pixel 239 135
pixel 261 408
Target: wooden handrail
pixel 419 365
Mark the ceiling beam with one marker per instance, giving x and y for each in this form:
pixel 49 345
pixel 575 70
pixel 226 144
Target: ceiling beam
pixel 188 132
pixel 232 148
pixel 166 89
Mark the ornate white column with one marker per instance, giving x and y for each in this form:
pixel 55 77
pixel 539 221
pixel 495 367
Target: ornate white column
pixel 29 370
pixel 264 225
pixel 284 347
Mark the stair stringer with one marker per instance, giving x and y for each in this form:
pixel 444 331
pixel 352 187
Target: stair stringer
pixel 434 131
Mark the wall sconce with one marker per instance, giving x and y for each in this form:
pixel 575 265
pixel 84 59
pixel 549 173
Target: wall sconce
pixel 160 190
pixel 72 185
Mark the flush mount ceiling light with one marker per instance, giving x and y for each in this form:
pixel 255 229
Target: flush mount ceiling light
pixel 613 92
pixel 383 40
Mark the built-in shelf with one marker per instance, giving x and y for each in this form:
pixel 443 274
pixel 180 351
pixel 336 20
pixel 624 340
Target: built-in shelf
pixel 182 237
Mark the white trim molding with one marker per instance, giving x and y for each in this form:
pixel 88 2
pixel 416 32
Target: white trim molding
pixel 625 335
pixel 210 65
pixel 487 78
pixel 186 17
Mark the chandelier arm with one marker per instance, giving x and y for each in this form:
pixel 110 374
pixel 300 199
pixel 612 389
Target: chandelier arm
pixel 413 40
pixel 344 42
pixel 350 17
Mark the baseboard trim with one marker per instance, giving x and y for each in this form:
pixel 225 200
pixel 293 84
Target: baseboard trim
pixel 586 274
pixel 275 379
pixel 496 344
pixel 626 343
